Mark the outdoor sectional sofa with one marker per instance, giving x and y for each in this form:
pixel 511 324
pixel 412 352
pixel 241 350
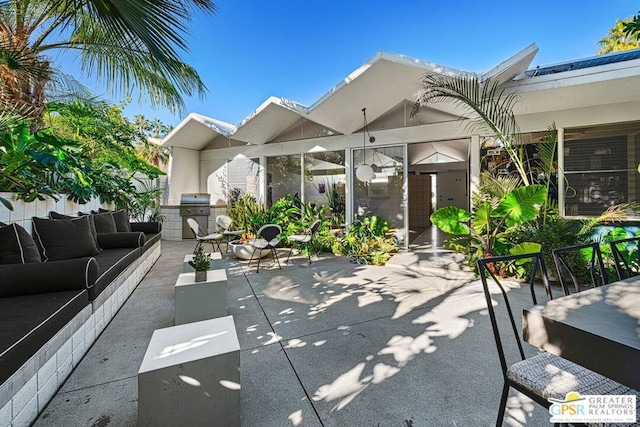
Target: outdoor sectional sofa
pixel 53 308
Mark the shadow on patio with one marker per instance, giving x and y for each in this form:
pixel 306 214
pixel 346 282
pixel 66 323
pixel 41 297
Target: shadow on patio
pixel 327 344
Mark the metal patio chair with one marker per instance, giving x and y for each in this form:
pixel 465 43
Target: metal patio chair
pixel 267 238
pixel 626 266
pixel 213 238
pixel 543 376
pixel 224 222
pixel 299 239
pixel 567 268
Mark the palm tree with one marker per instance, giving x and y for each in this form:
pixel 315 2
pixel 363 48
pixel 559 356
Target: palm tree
pixel 618 39
pixel 153 153
pixel 489 109
pixel 129 45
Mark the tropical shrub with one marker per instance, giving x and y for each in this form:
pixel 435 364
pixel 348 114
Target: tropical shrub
pixel 366 242
pixel 40 164
pixel 492 223
pixel 242 210
pixel 144 203
pixel 628 252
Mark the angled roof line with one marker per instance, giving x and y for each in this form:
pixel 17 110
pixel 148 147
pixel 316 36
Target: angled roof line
pixel 289 104
pixel 392 57
pixel 511 66
pixel 218 126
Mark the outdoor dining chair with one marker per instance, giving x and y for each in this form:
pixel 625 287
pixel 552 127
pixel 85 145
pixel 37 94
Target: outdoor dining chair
pixel 543 376
pixel 224 222
pixel 626 256
pixel 267 238
pixel 570 266
pixel 298 239
pixel 213 238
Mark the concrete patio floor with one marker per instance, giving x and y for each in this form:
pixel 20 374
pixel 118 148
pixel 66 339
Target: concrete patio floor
pixel 327 344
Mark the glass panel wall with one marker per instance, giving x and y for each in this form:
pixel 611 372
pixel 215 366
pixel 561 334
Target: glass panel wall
pixel 325 182
pixel 243 177
pixel 283 176
pixel 384 195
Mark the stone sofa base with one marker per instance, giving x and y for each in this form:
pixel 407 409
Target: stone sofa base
pixel 26 393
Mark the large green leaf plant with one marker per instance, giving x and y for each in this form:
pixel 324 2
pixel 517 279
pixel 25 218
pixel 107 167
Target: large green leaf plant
pixel 486 230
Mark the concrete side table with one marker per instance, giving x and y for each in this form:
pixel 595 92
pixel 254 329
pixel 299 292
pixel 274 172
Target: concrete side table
pixel 190 376
pixel 215 264
pixel 197 301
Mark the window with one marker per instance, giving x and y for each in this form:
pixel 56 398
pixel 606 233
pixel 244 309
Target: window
pixel 600 168
pixel 325 182
pixel 283 176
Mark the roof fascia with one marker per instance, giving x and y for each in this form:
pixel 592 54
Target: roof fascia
pixel 527 54
pixel 218 126
pixel 391 57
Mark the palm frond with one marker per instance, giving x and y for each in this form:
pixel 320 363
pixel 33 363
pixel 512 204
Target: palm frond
pixel 498 186
pixel 613 214
pixel 490 108
pixel 159 25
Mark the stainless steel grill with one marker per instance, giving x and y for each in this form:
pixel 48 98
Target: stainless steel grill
pixel 198 207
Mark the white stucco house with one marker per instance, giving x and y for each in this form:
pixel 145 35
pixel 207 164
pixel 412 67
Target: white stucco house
pixel 423 160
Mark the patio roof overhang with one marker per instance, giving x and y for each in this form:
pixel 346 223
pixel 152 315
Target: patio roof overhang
pixel 384 81
pixel 587 87
pixel 197 131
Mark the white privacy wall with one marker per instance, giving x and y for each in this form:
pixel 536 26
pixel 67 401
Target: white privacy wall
pixel 23 212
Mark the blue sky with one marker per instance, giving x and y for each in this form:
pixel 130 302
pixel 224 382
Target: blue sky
pixel 251 49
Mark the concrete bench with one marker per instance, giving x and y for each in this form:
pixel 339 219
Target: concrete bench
pixel 190 376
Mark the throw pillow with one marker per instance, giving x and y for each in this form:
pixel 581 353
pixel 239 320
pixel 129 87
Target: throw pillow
pixel 105 223
pixel 64 238
pixel 17 246
pixel 92 224
pixel 121 218
pixel 56 215
pixel 122 221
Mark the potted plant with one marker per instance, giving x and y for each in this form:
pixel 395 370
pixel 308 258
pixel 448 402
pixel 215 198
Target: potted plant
pixel 201 262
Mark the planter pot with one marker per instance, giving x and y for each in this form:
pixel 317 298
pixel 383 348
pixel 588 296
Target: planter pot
pixel 201 276
pixel 244 251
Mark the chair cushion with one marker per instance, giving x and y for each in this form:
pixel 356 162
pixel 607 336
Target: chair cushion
pixel 300 238
pixel 17 246
pixel 550 376
pixel 64 238
pixel 212 236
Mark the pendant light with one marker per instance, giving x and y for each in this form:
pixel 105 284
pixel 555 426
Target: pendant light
pixel 364 172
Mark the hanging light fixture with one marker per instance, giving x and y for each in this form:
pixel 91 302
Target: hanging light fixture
pixel 364 172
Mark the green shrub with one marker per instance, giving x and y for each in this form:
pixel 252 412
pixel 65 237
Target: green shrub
pixel 366 242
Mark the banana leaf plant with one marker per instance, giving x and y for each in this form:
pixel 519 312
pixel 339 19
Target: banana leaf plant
pixel 485 231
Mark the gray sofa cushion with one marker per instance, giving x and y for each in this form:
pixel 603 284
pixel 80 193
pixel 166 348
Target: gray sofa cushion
pixel 17 246
pixel 33 320
pixel 111 263
pixel 59 239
